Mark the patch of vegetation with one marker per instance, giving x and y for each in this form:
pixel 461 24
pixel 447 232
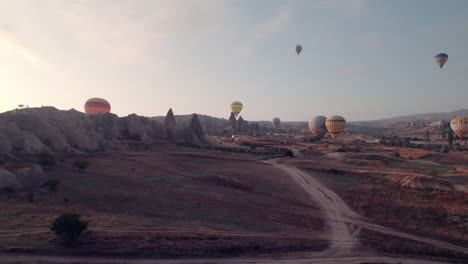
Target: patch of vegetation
pixel 30 197
pixel 52 184
pixel 46 159
pixel 395 154
pixel 251 151
pixel 68 227
pixel 81 165
pixel 312 139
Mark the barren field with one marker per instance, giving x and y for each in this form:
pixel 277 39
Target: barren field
pixel 365 206
pixel 168 203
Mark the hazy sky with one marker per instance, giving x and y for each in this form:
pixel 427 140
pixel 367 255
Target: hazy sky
pixel 362 59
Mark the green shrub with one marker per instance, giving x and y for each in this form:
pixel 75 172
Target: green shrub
pixel 30 197
pixel 46 159
pixel 68 227
pixel 340 150
pixel 445 149
pixel 288 153
pixel 52 184
pixel 395 154
pixel 81 165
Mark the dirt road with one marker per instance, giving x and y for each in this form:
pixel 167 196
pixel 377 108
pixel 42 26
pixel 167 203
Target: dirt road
pixel 344 224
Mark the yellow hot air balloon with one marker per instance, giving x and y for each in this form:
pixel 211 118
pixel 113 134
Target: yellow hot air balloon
pixel 460 126
pixel 335 125
pixel 236 107
pixel 97 106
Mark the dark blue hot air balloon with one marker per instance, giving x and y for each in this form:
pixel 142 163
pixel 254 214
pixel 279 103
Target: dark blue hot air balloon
pixel 441 59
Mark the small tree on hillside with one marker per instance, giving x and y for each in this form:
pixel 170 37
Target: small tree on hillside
pixel 427 136
pixel 68 227
pixel 46 159
pixel 81 165
pixel 450 137
pixel 443 133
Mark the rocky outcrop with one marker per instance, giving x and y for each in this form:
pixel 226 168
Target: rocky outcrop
pixel 170 125
pixel 246 127
pixel 8 180
pixel 35 130
pixel 194 132
pixel 240 124
pixel 232 122
pixel 32 177
pixel 255 129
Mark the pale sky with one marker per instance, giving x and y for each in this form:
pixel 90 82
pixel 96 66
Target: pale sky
pixel 361 59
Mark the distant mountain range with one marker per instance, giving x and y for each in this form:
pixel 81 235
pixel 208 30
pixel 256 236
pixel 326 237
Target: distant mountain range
pixel 432 117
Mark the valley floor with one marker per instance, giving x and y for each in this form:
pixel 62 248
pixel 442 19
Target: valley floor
pixel 220 206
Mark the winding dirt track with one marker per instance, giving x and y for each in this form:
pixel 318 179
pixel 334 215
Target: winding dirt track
pixel 343 223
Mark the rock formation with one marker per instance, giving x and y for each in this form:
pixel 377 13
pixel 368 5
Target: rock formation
pixel 246 127
pixel 194 132
pixel 232 122
pixel 255 129
pixel 35 130
pixel 8 180
pixel 240 124
pixel 170 124
pixel 32 177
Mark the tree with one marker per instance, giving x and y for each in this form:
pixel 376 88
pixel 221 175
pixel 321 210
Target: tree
pixel 443 133
pixel 68 227
pixel 46 159
pixel 82 165
pixel 427 136
pixel 52 184
pixel 450 137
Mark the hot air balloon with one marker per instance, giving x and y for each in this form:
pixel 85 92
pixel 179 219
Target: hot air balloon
pixel 460 126
pixel 97 106
pixel 298 49
pixel 335 125
pixel 441 59
pixel 276 122
pixel 317 126
pixel 236 107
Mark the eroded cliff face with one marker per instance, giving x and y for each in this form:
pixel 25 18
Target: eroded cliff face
pixel 171 124
pixel 35 130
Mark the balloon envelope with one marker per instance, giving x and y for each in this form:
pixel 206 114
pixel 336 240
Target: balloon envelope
pixel 317 126
pixel 97 106
pixel 276 122
pixel 236 107
pixel 460 126
pixel 335 125
pixel 441 59
pixel 298 49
